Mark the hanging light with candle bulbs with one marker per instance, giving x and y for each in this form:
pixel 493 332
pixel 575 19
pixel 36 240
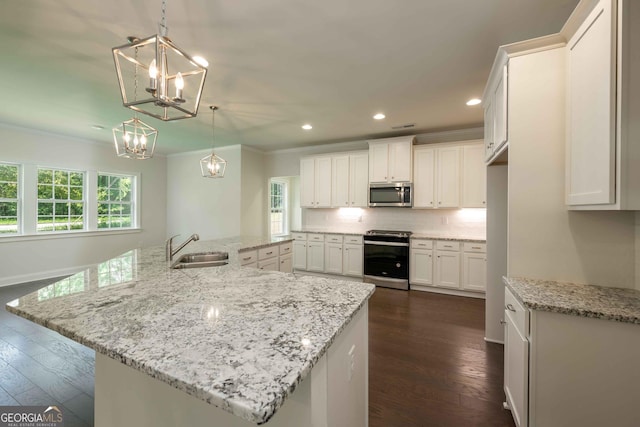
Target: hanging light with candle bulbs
pixel 175 78
pixel 213 166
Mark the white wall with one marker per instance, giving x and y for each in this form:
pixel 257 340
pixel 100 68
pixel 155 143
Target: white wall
pixel 254 193
pixel 546 240
pixel 31 258
pixel 209 207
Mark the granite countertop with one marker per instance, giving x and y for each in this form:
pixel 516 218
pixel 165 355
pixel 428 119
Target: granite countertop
pixel 451 237
pixel 618 304
pixel 345 233
pixel 250 243
pixel 238 338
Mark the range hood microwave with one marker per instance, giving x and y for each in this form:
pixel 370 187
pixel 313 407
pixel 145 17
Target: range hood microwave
pixel 396 195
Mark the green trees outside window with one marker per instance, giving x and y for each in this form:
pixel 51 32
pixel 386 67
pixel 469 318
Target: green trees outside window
pixel 60 200
pixel 115 206
pixel 9 199
pixel 277 207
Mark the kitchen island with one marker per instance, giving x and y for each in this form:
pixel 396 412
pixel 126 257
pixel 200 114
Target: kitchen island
pixel 214 346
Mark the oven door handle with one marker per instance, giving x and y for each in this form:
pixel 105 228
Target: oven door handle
pixel 370 242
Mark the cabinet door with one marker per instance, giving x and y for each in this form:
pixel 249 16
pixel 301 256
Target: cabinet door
pixel 488 126
pixel 474 272
pixel 424 173
pixel 359 180
pixel 421 267
pixel 333 258
pixel 286 264
pixel 448 181
pixel 270 264
pixel 323 182
pixel 591 110
pixel 339 180
pixel 447 269
pixel 400 161
pixel 307 182
pixel 378 162
pixel 300 255
pixel 500 112
pixel 516 372
pixel 352 261
pixel 315 256
pixel 474 177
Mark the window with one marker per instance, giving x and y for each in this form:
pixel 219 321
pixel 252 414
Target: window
pixel 115 201
pixel 60 200
pixel 278 204
pixel 9 200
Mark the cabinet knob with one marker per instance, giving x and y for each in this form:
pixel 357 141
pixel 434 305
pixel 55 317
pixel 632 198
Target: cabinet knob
pixel 483 202
pixel 502 322
pixel 385 177
pixel 393 177
pixel 439 203
pixel 510 308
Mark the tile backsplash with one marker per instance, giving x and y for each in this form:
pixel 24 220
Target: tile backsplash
pixel 463 222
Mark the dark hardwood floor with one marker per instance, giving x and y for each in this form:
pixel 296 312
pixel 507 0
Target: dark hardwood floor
pixel 428 363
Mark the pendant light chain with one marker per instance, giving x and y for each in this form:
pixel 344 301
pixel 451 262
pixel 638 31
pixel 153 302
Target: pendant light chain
pixel 163 21
pixel 213 127
pixel 135 81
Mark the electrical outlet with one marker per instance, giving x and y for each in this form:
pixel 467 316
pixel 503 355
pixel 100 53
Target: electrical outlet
pixel 351 362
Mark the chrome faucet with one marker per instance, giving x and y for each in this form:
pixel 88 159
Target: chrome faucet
pixel 169 247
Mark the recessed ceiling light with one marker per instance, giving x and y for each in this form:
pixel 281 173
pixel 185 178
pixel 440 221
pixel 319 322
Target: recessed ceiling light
pixel 307 127
pixel 97 127
pixel 474 101
pixel 379 116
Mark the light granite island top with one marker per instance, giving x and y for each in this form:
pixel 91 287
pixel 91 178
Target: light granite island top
pixel 238 338
pixel 617 304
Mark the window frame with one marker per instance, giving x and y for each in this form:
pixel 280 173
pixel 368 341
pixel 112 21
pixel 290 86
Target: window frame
pixel 69 201
pixel 285 206
pixel 18 200
pixel 133 202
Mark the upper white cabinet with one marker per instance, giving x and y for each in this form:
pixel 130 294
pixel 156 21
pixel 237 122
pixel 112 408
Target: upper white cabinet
pixel 350 180
pixel 315 182
pixel 495 101
pixel 449 175
pixel 390 159
pixel 603 109
pixel 474 177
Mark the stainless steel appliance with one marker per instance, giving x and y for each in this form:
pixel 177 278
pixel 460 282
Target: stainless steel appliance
pixel 390 195
pixel 386 258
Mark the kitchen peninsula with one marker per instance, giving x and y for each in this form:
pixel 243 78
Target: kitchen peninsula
pixel 193 346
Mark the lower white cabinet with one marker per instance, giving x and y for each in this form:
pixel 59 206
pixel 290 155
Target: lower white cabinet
pixel 352 259
pixel 447 269
pixel 516 359
pixel 286 263
pixel 474 267
pixel 421 262
pixel 300 251
pixel 333 254
pixel 315 256
pixel 270 264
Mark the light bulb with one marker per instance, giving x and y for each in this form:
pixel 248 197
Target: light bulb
pixel 135 141
pixel 210 167
pixel 127 138
pixel 179 85
pixel 153 74
pixel 143 141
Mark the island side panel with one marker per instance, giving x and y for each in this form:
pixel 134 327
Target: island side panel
pixel 329 396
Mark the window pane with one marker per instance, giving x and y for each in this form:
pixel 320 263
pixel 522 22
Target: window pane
pixel 61 192
pixel 45 176
pixel 8 190
pixel 45 191
pixel 8 173
pixel 67 210
pixel 62 209
pixel 75 193
pixel 114 195
pixel 75 178
pixel 61 177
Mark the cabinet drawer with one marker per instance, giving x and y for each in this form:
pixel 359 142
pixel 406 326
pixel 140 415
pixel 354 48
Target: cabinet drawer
pixel 248 257
pixel 333 238
pixel 475 247
pixel 354 240
pixel 268 252
pixel 516 312
pixel 315 237
pixel 446 245
pixel 299 236
pixel 286 248
pixel 421 244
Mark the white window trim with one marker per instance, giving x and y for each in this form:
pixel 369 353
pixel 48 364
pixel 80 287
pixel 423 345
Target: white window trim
pixel 84 198
pixel 19 199
pixel 135 200
pixel 285 207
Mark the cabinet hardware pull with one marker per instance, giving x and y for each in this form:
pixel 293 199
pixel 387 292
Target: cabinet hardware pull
pixel 476 247
pixel 510 308
pixel 502 322
pixel 246 259
pixel 269 253
pixel 282 262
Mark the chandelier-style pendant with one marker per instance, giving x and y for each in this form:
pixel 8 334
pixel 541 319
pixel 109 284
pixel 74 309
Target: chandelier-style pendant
pixel 173 80
pixel 213 166
pixel 135 139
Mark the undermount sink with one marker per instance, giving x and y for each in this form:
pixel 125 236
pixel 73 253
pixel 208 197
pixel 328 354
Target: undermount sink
pixel 200 260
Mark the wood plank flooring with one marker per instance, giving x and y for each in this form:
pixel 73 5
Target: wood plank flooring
pixel 428 363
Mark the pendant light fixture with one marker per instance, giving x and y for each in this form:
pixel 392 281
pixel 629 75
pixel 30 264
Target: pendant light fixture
pixel 213 166
pixel 173 78
pixel 133 138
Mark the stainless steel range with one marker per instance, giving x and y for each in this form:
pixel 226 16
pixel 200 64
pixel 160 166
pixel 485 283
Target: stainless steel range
pixel 386 258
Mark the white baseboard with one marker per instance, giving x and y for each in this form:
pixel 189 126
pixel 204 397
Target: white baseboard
pixel 453 292
pixel 40 275
pixel 493 341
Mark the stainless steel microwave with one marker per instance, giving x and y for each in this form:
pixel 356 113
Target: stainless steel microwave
pixel 390 195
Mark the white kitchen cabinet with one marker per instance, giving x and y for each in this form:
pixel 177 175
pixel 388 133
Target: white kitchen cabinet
pixel 270 264
pixel 315 256
pixel 603 109
pixel 424 174
pixel 333 258
pixel 352 259
pixel 496 107
pixel 474 177
pixel 500 127
pixel 421 262
pixel 315 182
pixel 516 359
pixel 448 177
pixel 286 263
pixel 474 272
pixel 350 180
pixel 447 265
pixel 248 258
pixel 390 160
pixel 489 115
pixel 300 255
